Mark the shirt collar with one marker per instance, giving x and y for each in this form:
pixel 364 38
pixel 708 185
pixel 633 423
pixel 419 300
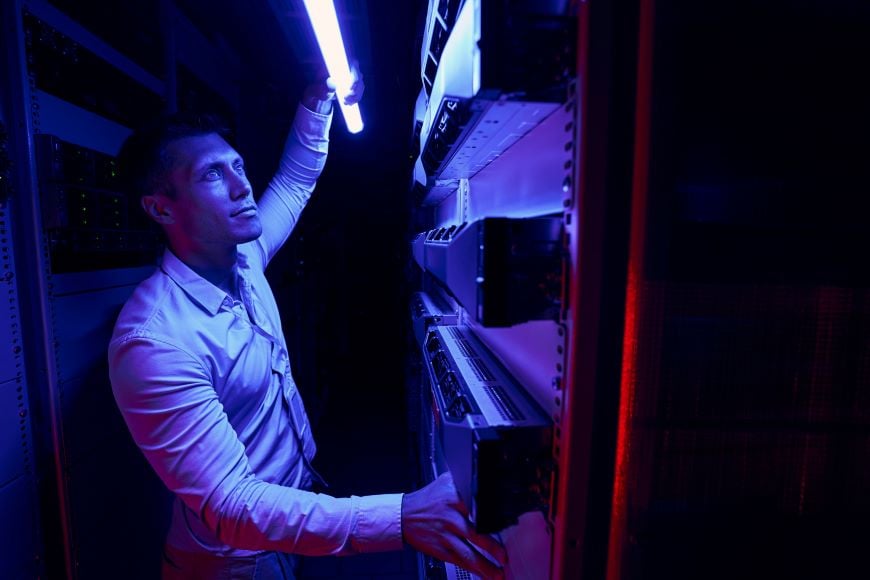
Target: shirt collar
pixel 200 290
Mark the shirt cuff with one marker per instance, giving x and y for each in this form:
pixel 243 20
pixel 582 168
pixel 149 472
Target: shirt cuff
pixel 379 523
pixel 310 123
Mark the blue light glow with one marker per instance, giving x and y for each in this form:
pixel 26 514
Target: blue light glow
pixel 326 30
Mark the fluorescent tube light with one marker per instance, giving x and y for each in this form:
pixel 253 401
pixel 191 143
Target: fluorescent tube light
pixel 325 24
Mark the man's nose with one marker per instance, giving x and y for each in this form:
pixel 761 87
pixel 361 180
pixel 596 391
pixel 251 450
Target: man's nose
pixel 240 187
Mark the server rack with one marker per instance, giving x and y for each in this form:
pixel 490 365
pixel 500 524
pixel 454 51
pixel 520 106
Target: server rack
pixel 73 249
pixel 497 212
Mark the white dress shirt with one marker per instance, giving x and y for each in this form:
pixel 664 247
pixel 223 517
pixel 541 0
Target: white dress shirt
pixel 204 384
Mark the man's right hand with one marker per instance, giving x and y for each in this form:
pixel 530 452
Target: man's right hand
pixel 318 96
pixel 435 522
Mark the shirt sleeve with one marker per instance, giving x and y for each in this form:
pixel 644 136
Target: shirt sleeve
pixel 301 164
pixel 174 415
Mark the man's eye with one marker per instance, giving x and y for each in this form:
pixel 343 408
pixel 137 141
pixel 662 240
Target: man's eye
pixel 240 168
pixel 212 174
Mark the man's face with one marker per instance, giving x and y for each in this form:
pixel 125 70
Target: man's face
pixel 213 207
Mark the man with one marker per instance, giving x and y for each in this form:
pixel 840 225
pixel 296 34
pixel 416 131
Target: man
pixel 200 371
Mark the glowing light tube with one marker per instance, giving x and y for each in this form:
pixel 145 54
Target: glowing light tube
pixel 325 24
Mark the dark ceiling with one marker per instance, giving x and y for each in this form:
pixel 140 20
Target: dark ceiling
pixel 274 37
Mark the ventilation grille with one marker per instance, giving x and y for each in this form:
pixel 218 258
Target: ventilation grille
pixel 480 370
pixel 466 347
pixel 506 407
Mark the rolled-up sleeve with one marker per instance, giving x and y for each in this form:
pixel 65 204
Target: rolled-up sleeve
pixel 175 417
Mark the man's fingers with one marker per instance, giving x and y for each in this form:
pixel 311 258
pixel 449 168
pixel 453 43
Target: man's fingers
pixel 356 91
pixel 482 541
pixel 435 521
pixel 480 564
pixel 491 546
pixel 456 549
pixel 466 556
pixel 464 529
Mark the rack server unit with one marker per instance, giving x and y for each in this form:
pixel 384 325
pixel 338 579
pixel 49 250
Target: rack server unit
pixel 492 436
pixel 491 70
pixel 503 271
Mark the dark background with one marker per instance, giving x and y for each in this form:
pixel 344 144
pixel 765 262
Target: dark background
pixel 750 426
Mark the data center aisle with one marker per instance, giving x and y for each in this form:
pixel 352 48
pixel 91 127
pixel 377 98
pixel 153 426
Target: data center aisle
pixel 341 288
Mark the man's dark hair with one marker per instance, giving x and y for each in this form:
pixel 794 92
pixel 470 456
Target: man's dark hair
pixel 144 160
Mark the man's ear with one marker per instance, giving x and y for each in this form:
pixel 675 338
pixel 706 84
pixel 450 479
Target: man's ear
pixel 157 209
